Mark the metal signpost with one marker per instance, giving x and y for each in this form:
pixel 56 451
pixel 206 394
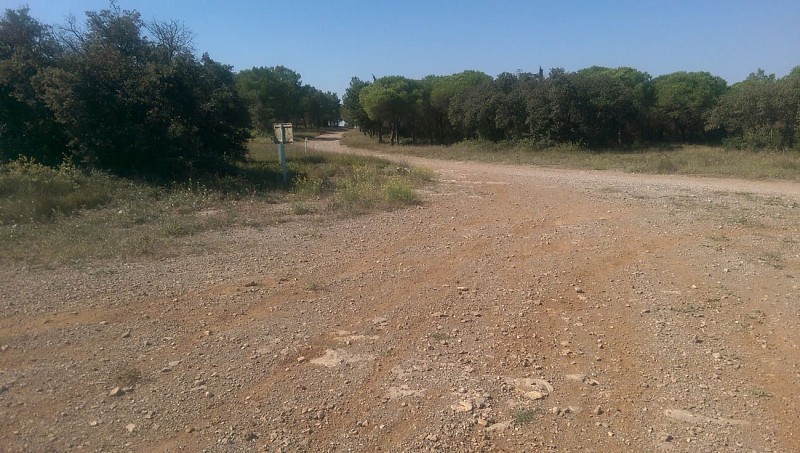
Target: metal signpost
pixel 283 133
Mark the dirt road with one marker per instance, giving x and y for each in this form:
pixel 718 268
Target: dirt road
pixel 516 309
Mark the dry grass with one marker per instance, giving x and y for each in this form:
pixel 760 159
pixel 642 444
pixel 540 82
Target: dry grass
pixel 53 216
pixel 683 160
pixel 126 375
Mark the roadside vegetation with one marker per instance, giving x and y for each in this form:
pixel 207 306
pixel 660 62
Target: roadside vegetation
pixel 597 108
pixel 601 118
pixel 64 215
pixel 694 160
pixel 118 141
pixel 131 97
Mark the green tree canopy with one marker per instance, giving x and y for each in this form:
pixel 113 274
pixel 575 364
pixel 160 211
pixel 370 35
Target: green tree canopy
pixel 27 126
pixel 615 107
pixel 273 93
pixel 444 91
pixel 276 94
pixel 319 108
pixel 353 112
pixel 682 100
pixel 134 103
pixel 390 100
pixel 760 112
pixel 598 107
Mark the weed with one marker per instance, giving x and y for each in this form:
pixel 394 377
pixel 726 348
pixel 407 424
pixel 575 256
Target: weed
pixel 665 166
pixel 30 192
pixel 686 202
pixel 525 416
pixel 401 192
pixel 315 286
pixel 774 201
pixel 422 174
pixel 126 376
pixel 747 222
pixel 104 271
pixel 750 196
pixel 772 259
pixel 300 208
pixel 761 393
pixel 309 186
pixel 688 309
pixel 178 227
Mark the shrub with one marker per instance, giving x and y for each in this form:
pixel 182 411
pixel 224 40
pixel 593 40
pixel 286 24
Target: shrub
pixel 396 191
pixel 33 192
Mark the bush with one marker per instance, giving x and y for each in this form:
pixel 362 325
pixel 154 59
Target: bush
pixel 308 186
pixel 396 191
pixel 33 192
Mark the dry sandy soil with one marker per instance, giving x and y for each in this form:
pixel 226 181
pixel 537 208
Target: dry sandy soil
pixel 516 309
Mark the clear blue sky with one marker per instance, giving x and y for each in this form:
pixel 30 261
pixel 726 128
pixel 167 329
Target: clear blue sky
pixel 328 42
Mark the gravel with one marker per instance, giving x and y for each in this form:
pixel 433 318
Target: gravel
pixel 516 309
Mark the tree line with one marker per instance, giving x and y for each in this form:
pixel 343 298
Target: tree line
pixel 277 94
pixel 596 107
pixel 131 97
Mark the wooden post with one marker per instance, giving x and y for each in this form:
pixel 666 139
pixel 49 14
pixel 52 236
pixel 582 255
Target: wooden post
pixel 282 156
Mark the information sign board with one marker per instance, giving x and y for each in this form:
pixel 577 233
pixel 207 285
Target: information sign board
pixel 283 132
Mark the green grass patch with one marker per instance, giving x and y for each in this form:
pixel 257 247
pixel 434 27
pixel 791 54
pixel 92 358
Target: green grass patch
pixel 399 192
pixel 684 160
pixel 352 185
pixel 525 416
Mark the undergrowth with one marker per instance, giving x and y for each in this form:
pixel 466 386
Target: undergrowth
pixel 50 216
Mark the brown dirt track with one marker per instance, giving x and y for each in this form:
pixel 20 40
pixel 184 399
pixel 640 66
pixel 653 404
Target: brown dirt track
pixel 516 309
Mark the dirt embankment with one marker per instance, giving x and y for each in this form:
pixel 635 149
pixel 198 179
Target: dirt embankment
pixel 517 309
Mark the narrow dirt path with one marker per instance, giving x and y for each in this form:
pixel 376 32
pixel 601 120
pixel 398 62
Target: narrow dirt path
pixel 516 309
pixel 331 142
